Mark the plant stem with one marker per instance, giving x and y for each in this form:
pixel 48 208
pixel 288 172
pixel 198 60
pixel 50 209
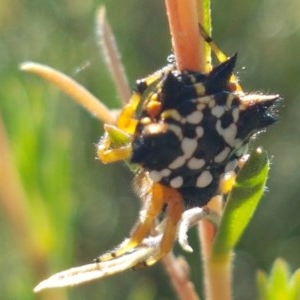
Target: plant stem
pixel 186 41
pixel 217 272
pixel 178 271
pixel 72 89
pixel 218 277
pixel 111 54
pixel 191 53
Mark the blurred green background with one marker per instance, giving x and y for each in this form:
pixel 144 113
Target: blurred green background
pixel 64 207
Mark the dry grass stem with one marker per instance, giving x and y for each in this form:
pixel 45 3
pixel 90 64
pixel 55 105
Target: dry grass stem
pixel 111 54
pixel 72 89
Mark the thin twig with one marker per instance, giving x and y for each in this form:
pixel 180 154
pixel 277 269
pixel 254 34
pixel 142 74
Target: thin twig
pixel 178 271
pixel 111 54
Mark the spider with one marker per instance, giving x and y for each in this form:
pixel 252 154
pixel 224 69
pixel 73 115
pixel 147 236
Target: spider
pixel 187 135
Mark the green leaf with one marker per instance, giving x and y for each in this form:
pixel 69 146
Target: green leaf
pixel 262 284
pixel 242 202
pixel 279 279
pixel 280 284
pixel 294 284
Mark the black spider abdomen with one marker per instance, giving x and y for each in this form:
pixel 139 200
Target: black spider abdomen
pixel 200 131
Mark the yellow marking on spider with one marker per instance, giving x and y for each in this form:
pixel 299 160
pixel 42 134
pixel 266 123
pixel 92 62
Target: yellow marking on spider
pixel 114 145
pixel 227 182
pixel 221 56
pixel 126 119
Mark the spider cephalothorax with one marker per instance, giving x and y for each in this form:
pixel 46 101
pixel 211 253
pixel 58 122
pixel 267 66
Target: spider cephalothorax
pixel 193 128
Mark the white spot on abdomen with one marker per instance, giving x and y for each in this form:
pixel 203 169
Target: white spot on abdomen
pixel 235 114
pixel 222 155
pixel 176 182
pixel 177 162
pixel 155 175
pixel 188 146
pixel 204 179
pixel 228 133
pixel 199 131
pixel 195 117
pixel 218 111
pixel 196 163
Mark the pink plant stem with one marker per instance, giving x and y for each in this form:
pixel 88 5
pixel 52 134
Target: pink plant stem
pixel 186 41
pixel 189 49
pixel 217 273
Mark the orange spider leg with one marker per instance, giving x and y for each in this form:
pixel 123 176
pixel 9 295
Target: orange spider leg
pixel 174 212
pixel 126 120
pixel 160 195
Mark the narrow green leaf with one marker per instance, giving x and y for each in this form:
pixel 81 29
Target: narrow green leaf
pixel 262 284
pixel 295 286
pixel 280 284
pixel 242 202
pixel 278 281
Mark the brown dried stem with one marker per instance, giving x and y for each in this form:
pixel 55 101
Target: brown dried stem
pixel 111 55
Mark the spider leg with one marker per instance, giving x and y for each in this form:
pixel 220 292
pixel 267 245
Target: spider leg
pixel 126 120
pixel 113 155
pixel 174 212
pixel 159 195
pixel 220 55
pixel 114 145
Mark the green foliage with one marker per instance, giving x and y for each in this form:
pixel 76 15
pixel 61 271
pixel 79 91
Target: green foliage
pixel 242 202
pixel 280 284
pixel 52 143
